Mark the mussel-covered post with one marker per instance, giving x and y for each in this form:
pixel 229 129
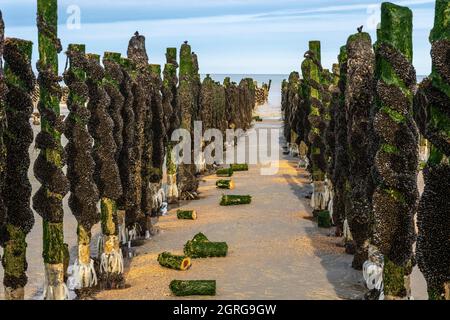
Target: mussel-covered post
pixel 433 116
pixel 3 93
pixel 80 165
pixel 111 259
pixel 187 181
pixel 232 101
pixel 171 120
pixel 330 136
pixel 48 166
pixel 396 161
pixel 208 111
pixel 312 70
pixel 126 204
pixel 159 141
pixel 135 217
pixel 359 102
pixel 294 100
pixel 101 127
pixel 16 191
pixel 341 162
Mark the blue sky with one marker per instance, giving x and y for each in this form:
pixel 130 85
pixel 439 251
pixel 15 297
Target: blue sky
pixel 230 36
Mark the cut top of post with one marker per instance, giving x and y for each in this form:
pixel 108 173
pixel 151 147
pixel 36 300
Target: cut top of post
pixel 171 55
pixel 314 47
pixel 76 47
pixel 396 28
pixel 359 36
pixel 93 56
pixel 23 46
pixel 155 69
pixel 226 82
pixel 112 56
pixel 186 63
pixel 441 29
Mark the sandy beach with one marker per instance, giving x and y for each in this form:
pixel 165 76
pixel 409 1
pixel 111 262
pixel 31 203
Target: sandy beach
pixel 276 251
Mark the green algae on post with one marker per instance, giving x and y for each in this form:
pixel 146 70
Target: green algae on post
pixel 193 287
pixel 312 74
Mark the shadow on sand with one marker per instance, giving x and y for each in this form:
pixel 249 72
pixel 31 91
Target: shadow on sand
pixel 347 282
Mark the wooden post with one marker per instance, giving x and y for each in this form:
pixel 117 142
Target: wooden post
pixel 20 79
pixel 84 194
pixel 359 102
pixel 396 160
pixel 48 167
pixel 432 115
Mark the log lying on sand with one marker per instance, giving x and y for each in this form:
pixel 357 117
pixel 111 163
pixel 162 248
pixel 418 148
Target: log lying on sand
pixel 187 214
pixel 228 172
pixel 225 184
pixel 324 219
pixel 201 247
pixel 168 260
pixel 239 167
pixel 193 287
pixel 231 200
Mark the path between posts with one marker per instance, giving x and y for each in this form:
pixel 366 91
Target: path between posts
pixel 276 251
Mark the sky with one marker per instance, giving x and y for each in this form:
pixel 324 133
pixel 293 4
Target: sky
pixel 229 36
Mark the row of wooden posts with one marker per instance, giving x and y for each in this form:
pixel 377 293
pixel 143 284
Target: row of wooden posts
pixel 357 128
pixel 122 113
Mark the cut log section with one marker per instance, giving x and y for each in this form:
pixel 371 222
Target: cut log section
pixel 225 184
pixel 168 260
pixel 183 288
pixel 239 167
pixel 324 219
pixel 201 247
pixel 187 214
pixel 228 172
pixel 231 200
